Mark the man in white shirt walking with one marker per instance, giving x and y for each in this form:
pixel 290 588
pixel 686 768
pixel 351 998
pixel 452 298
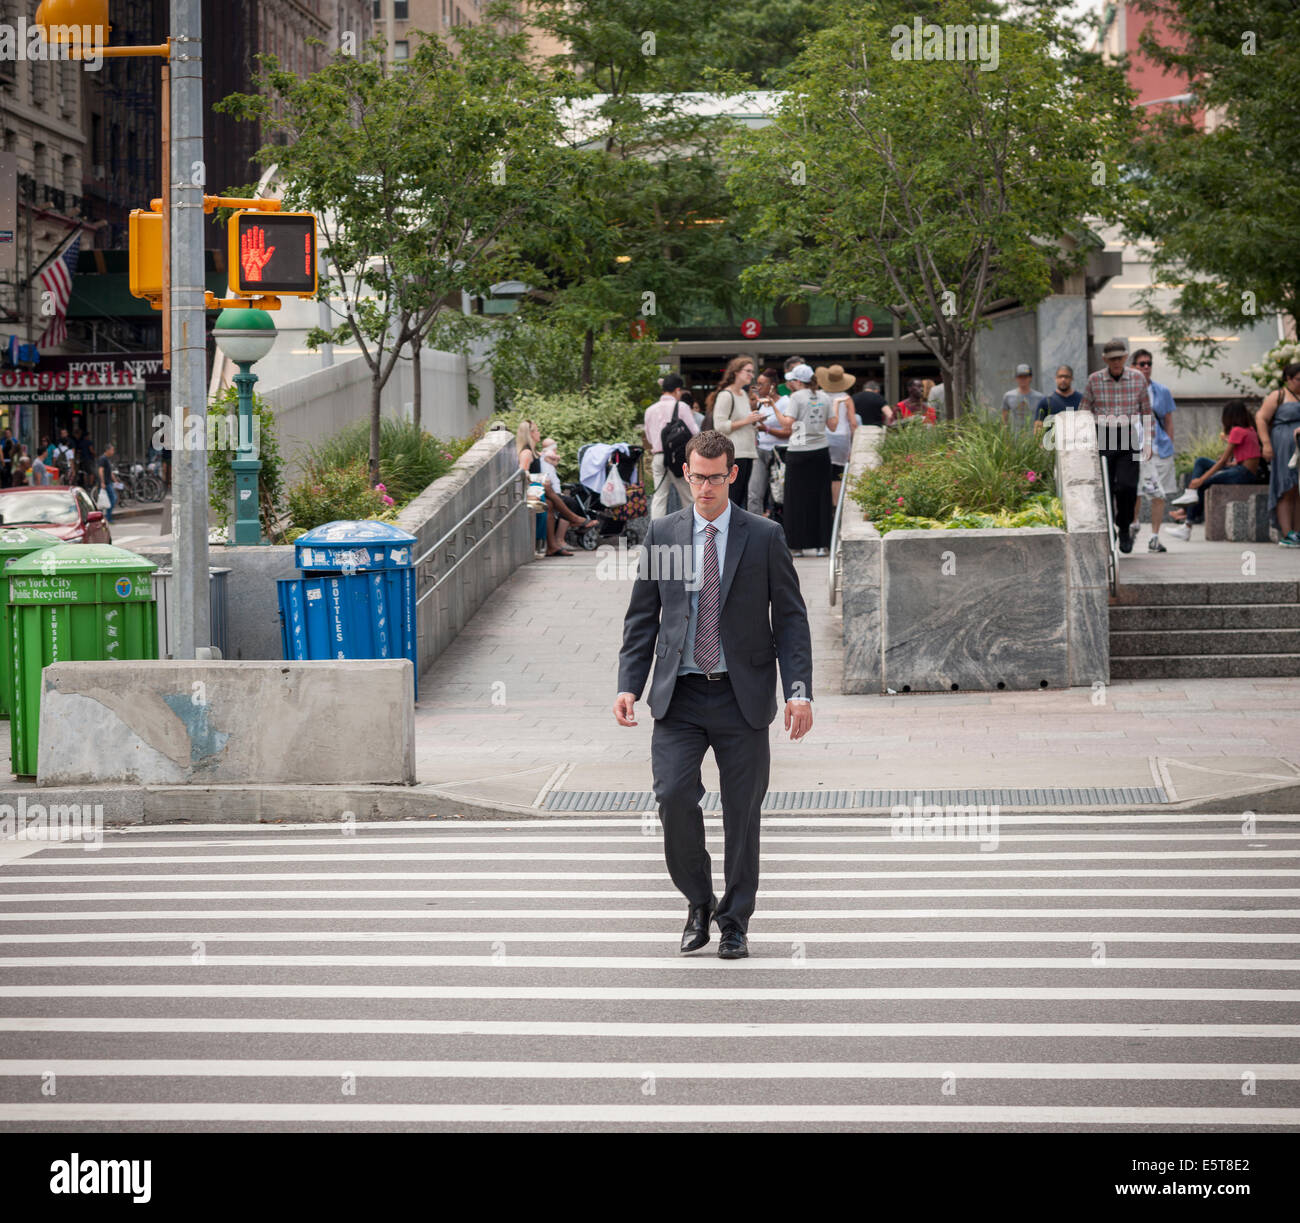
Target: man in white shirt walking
pixel 668 407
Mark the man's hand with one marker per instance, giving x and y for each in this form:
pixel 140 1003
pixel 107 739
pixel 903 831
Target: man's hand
pixel 799 715
pixel 624 705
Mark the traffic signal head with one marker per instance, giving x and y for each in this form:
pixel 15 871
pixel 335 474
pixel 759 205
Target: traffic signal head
pixel 273 253
pixel 146 253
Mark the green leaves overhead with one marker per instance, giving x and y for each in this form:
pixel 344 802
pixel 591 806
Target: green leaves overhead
pixel 934 186
pixel 1219 174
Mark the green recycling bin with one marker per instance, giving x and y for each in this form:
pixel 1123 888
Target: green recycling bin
pixel 15 542
pixel 73 602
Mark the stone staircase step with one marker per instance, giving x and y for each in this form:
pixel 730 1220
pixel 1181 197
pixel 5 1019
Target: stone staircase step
pixel 1205 666
pixel 1246 616
pixel 1205 641
pixel 1165 594
pixel 1137 619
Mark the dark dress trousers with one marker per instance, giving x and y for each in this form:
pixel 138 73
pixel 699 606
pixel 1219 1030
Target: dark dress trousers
pixel 762 619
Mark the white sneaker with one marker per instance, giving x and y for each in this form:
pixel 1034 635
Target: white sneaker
pixel 1134 530
pixel 1182 531
pixel 1187 497
pixel 796 552
pixel 822 552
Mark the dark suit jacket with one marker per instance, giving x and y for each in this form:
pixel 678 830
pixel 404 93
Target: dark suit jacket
pixel 758 580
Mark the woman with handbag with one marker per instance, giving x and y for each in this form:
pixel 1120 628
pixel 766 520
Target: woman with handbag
pixel 528 440
pixel 1278 424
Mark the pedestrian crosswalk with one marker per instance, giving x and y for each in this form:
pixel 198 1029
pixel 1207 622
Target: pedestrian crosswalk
pixel 1087 973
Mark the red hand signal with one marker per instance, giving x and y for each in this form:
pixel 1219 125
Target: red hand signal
pixel 254 254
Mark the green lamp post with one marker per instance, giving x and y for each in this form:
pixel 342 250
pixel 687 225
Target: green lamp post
pixel 245 336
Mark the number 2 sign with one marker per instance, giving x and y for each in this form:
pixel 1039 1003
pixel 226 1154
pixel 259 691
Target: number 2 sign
pixel 751 329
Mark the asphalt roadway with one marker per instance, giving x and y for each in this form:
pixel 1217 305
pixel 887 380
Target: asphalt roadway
pixel 1086 974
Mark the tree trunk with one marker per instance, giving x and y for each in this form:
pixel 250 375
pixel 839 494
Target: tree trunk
pixel 416 395
pixel 376 393
pixel 588 351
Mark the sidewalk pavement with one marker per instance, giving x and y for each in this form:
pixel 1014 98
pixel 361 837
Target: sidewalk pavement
pixel 521 703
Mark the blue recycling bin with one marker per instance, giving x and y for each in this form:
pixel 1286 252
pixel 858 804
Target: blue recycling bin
pixel 356 598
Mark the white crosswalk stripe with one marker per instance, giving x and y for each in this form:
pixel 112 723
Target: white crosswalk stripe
pixel 1099 973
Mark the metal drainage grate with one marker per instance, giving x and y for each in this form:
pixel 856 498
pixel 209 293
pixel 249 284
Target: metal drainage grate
pixel 838 800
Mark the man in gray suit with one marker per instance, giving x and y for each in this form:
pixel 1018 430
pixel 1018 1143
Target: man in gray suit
pixel 705 584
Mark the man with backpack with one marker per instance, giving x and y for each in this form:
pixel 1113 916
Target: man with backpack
pixel 669 425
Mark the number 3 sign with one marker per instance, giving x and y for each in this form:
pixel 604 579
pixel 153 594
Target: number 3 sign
pixel 862 325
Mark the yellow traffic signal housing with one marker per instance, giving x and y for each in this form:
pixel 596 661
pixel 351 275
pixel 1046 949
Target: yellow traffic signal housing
pixel 146 263
pixel 272 253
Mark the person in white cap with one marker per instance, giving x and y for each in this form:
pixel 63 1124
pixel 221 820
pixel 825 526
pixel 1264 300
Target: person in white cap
pixel 807 513
pixel 1021 404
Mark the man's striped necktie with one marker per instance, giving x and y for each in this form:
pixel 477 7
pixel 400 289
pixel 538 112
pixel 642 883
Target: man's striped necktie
pixel 708 644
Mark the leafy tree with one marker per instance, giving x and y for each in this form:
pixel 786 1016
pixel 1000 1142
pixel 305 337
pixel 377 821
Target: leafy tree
pixel 1221 195
pixel 934 187
pixel 644 231
pixel 425 181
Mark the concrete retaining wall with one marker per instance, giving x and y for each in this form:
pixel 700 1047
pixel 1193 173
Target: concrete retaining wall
pixel 178 723
pixel 496 538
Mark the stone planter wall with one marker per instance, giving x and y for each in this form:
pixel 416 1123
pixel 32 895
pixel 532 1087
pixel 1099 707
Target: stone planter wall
pixel 940 611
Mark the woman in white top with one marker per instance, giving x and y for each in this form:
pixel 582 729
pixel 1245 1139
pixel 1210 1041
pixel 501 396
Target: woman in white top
pixel 807 511
pixel 841 420
pixel 734 417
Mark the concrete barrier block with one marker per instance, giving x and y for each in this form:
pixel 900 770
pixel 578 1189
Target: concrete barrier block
pixel 979 610
pixel 860 552
pixel 180 723
pixel 1218 497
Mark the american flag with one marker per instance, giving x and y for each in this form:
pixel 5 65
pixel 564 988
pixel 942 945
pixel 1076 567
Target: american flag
pixel 56 282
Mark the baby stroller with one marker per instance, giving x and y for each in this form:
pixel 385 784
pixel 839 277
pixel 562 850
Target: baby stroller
pixel 630 520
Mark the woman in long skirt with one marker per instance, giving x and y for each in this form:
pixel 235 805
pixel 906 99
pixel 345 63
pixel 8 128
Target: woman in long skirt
pixel 807 516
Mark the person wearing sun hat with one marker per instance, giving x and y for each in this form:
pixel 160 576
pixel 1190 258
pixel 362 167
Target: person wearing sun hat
pixel 841 420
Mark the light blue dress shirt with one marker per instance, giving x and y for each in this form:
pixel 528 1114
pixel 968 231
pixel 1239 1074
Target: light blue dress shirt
pixel 722 522
pixel 700 538
pixel 1162 403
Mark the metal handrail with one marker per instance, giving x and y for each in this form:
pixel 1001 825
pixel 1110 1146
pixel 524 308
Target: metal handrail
pixel 515 475
pixel 835 537
pixel 471 550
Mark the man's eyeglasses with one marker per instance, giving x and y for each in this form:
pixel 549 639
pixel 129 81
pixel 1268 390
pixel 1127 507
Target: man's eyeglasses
pixel 695 480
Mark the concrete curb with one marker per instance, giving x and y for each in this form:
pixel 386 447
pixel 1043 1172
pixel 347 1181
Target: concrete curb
pixel 126 805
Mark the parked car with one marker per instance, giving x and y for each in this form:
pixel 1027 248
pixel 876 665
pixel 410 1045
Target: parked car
pixel 68 513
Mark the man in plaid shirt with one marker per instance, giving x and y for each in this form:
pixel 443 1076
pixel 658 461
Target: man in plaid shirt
pixel 1118 397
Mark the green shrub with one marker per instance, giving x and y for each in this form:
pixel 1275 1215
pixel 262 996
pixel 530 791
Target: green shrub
pixel 409 459
pixel 975 465
pixel 334 493
pixel 1041 511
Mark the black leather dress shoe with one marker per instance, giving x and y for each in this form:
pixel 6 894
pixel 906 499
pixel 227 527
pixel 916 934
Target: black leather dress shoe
pixel 734 945
pixel 698 918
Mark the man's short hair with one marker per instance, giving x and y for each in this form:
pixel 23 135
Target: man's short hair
pixel 1068 369
pixel 1138 353
pixel 873 385
pixel 710 444
pixel 673 382
pixel 791 362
